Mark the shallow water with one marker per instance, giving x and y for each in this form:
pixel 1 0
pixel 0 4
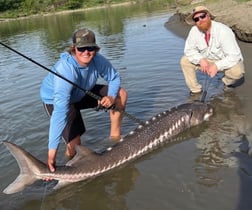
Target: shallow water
pixel 208 169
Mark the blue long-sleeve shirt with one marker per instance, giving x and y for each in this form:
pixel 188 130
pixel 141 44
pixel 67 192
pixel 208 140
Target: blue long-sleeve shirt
pixel 60 93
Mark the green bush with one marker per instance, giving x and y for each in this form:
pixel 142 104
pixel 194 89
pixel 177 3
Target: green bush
pixel 73 4
pixel 10 4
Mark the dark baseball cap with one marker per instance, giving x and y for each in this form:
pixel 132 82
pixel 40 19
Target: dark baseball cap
pixel 84 38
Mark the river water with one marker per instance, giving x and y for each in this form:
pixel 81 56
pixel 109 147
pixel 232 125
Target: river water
pixel 208 169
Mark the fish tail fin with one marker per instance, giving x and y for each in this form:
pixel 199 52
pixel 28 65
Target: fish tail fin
pixel 29 166
pixel 19 184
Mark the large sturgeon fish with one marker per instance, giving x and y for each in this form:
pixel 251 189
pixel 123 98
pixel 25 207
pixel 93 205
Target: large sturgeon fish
pixel 87 164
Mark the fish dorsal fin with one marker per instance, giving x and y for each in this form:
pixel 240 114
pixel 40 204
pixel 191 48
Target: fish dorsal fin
pixel 81 152
pixel 84 151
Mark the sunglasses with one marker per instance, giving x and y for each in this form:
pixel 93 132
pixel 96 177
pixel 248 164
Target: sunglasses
pixel 83 49
pixel 203 16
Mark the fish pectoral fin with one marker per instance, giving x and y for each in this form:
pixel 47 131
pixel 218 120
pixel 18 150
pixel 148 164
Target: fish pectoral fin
pixel 61 184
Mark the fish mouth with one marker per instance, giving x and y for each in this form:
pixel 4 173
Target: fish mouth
pixel 199 112
pixel 209 113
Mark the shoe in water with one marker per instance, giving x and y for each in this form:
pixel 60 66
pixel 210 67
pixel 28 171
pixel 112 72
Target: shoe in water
pixel 237 83
pixel 195 93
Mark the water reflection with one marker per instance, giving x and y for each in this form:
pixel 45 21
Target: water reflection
pixel 225 135
pixel 108 192
pixel 23 119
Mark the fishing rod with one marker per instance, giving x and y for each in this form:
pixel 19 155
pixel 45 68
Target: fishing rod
pixel 203 97
pixel 74 84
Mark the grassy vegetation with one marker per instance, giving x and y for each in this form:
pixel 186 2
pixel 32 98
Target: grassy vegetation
pixel 22 8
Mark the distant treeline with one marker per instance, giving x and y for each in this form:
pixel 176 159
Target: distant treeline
pixel 28 7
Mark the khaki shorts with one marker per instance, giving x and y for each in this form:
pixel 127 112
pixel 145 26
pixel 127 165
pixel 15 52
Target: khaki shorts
pixel 189 69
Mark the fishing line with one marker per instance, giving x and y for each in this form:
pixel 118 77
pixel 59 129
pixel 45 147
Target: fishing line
pixel 206 86
pixel 72 83
pixel 44 194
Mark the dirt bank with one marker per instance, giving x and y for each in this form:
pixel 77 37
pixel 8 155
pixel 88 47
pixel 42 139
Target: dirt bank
pixel 237 16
